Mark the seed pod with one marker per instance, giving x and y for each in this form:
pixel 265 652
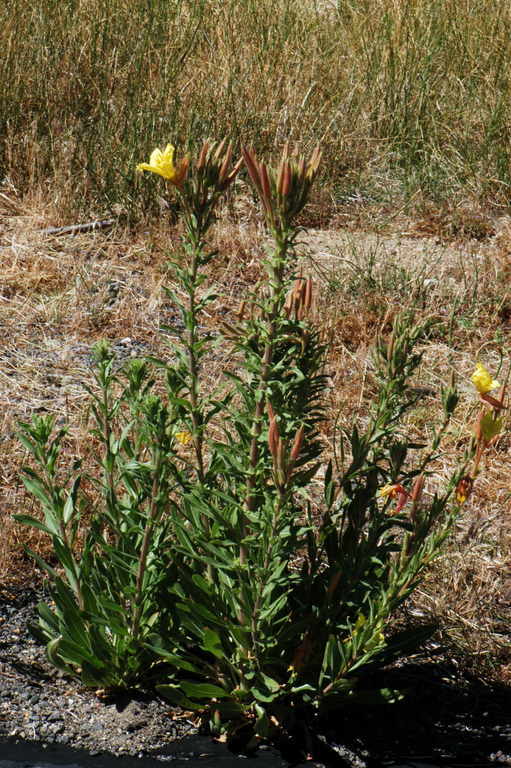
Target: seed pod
pixel 219 150
pixel 222 174
pixel 232 175
pixel 308 295
pixel 286 186
pixel 265 187
pixel 203 155
pixel 297 444
pixel 273 434
pixel 251 163
pixel 417 489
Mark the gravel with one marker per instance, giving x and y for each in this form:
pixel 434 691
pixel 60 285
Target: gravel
pixel 39 703
pixel 43 712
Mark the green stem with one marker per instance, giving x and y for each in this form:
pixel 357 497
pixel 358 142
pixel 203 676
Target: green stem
pixel 142 560
pixel 193 368
pixel 276 278
pixel 266 564
pixel 196 228
pixel 109 463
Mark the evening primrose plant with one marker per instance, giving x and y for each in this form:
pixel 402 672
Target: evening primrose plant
pixel 230 561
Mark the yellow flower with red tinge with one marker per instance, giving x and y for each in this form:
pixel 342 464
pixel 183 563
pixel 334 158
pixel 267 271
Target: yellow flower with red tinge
pixel 162 163
pixel 395 491
pixel 482 380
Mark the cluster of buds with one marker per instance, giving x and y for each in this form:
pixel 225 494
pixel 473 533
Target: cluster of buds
pixel 283 191
pixel 487 428
pixel 283 464
pixel 214 166
pixel 299 299
pixel 199 185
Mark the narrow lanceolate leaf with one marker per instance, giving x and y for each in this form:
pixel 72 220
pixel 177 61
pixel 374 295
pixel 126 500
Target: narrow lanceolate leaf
pixel 36 488
pixel 203 691
pixel 175 695
pixel 34 522
pixel 52 650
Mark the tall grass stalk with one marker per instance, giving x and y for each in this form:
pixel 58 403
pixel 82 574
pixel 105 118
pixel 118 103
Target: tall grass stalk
pixel 404 96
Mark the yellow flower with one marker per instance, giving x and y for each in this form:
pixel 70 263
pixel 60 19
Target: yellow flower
pixel 183 437
pixel 482 380
pixel 388 490
pixel 162 163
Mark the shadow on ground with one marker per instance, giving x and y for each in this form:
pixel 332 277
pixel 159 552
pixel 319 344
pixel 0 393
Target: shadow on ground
pixel 427 713
pixel 438 721
pixel 189 752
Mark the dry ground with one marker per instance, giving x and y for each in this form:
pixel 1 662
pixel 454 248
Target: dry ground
pixel 58 295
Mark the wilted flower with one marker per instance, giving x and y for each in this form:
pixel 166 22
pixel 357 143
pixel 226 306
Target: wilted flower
pixel 483 380
pixel 464 489
pixel 162 163
pixel 396 491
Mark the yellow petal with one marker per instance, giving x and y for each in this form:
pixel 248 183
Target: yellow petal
pixel 155 158
pixel 482 380
pixel 161 163
pixel 183 437
pixel 169 153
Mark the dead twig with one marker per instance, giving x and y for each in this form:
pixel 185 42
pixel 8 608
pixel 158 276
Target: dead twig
pixel 72 229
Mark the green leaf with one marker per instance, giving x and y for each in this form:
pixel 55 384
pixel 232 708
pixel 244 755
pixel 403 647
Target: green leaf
pixel 262 723
pixel 41 563
pixel 203 691
pixel 178 661
pixel 52 650
pixel 69 508
pixel 490 425
pixel 263 696
pixel 48 617
pixel 211 642
pixel 176 697
pixel 36 488
pixel 270 683
pixel 201 582
pixel 34 522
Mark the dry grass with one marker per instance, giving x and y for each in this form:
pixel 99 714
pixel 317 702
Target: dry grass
pixel 409 98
